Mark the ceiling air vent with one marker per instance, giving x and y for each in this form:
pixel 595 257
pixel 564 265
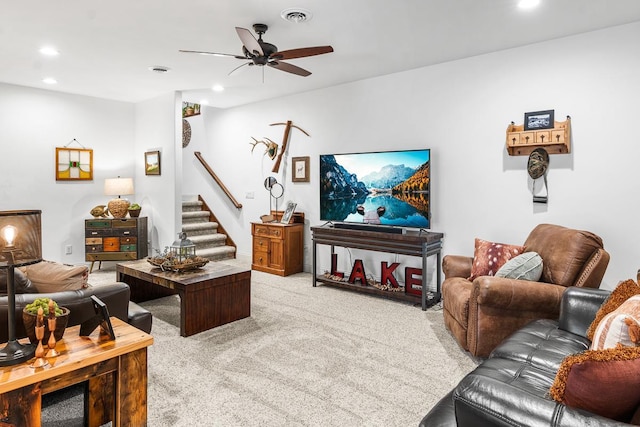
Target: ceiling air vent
pixel 296 15
pixel 160 69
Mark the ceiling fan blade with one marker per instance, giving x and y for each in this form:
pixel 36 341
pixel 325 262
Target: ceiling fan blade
pixel 237 68
pixel 289 68
pixel 212 53
pixel 302 52
pixel 249 41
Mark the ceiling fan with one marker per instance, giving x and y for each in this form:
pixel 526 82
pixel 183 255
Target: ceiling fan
pixel 259 52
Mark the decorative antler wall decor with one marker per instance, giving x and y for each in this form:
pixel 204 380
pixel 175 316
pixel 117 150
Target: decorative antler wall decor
pixel 271 147
pixel 285 139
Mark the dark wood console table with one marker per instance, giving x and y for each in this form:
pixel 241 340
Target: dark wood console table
pixel 423 244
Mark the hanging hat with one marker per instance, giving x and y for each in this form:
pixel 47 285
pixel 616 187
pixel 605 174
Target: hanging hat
pixel 538 163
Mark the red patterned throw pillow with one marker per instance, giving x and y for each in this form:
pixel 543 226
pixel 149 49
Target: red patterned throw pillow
pixel 605 382
pixel 488 257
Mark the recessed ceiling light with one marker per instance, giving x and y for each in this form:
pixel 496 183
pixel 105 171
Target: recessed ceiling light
pixel 217 88
pixel 49 80
pixel 296 15
pixel 49 51
pixel 160 69
pixel 528 4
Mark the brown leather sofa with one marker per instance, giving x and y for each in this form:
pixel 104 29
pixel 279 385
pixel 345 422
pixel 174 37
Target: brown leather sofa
pixel 114 295
pixel 482 313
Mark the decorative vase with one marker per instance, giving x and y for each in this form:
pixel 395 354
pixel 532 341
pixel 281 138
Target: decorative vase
pixel 29 321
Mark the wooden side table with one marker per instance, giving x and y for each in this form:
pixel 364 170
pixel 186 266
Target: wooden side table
pixel 277 248
pixel 116 372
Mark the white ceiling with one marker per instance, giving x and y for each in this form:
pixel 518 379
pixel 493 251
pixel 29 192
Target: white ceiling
pixel 106 47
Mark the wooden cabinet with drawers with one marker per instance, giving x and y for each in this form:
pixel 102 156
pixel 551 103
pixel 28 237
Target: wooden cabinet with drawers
pixel 277 248
pixel 115 239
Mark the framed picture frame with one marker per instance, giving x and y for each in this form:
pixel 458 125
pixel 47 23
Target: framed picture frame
pixel 537 120
pixel 300 169
pixel 152 163
pixel 100 319
pixel 74 164
pixel 288 213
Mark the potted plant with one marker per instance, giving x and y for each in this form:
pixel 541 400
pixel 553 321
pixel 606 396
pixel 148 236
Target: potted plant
pixel 30 313
pixel 134 210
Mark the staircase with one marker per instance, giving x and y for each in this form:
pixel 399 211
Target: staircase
pixel 203 232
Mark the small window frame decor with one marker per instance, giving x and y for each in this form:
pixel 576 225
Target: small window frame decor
pixel 74 164
pixel 152 163
pixel 300 169
pixel 538 120
pixel 288 213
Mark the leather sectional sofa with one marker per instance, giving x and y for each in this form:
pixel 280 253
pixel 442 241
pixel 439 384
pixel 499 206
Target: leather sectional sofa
pixel 511 387
pixel 114 295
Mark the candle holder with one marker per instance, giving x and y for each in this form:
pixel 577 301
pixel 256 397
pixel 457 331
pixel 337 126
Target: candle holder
pixel 51 322
pixel 40 361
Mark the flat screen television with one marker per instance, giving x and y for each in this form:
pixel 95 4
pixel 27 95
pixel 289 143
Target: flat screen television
pixel 389 188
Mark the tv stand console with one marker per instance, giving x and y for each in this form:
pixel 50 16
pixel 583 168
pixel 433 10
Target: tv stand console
pixel 423 244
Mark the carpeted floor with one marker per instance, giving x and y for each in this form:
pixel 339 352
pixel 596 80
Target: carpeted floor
pixel 306 356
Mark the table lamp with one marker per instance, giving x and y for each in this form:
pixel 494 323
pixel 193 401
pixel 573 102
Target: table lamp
pixel 118 187
pixel 20 244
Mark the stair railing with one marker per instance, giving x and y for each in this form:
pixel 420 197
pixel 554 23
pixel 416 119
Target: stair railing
pixel 217 180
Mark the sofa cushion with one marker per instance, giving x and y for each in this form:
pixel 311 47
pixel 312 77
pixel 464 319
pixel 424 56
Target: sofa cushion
pixel 488 257
pixel 526 266
pixel 48 276
pixel 614 328
pixel 605 382
pixel 620 294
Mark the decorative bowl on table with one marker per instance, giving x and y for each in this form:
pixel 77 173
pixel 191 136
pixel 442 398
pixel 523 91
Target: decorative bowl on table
pixel 29 320
pixel 171 263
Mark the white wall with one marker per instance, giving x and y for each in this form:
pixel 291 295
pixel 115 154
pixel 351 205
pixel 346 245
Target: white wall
pixel 33 123
pixel 158 128
pixel 461 111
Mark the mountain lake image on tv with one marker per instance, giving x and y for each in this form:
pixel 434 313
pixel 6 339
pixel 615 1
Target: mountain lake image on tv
pixel 388 188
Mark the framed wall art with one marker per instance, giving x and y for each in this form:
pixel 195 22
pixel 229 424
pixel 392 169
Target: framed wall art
pixel 537 120
pixel 74 164
pixel 152 163
pixel 300 171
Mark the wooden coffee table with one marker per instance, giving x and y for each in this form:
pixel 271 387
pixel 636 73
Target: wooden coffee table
pixel 210 296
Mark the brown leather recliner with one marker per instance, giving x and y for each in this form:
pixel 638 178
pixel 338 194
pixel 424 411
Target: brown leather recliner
pixel 482 313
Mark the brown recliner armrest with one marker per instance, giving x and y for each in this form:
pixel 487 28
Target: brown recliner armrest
pixel 499 306
pixel 456 266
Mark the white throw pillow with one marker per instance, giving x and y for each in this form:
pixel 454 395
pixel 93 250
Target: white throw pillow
pixel 527 266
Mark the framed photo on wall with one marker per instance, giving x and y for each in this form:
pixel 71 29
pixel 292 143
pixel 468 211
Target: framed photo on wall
pixel 152 163
pixel 300 171
pixel 537 120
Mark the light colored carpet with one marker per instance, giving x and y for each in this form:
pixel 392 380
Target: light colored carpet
pixel 306 356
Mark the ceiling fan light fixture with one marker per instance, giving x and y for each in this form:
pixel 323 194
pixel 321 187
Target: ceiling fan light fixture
pixel 296 15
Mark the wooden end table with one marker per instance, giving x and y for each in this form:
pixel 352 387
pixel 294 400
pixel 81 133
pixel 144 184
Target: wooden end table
pixel 210 296
pixel 116 372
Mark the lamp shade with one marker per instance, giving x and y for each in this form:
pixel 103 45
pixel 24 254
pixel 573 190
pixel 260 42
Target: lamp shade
pixel 118 186
pixel 20 237
pixel 20 244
